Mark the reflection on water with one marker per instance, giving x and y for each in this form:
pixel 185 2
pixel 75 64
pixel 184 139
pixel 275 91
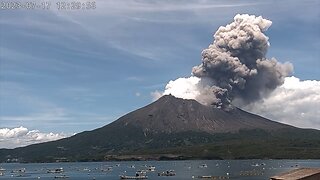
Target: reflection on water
pixel 222 169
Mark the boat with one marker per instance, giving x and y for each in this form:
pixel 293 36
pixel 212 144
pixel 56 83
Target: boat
pixel 167 173
pixel 58 170
pixel 87 169
pixel 151 168
pixel 204 177
pixel 21 170
pixel 107 169
pixel 203 166
pixel 2 170
pixel 61 177
pixel 133 177
pixel 255 165
pixel 139 175
pixel 213 177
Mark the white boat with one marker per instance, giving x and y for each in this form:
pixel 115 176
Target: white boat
pixel 203 166
pixel 167 173
pixel 87 169
pixel 139 175
pixel 133 177
pixel 2 171
pixel 212 177
pixel 204 177
pixel 151 168
pixel 61 177
pixel 22 170
pixel 107 169
pixel 58 170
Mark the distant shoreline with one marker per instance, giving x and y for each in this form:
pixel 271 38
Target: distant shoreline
pixel 178 158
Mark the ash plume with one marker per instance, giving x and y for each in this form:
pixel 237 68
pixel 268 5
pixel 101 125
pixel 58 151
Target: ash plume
pixel 234 67
pixel 236 61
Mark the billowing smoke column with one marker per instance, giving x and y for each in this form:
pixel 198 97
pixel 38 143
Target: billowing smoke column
pixel 234 67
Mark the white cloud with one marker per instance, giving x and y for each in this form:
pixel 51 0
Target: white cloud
pixel 185 88
pixel 296 103
pixel 191 87
pixel 12 133
pixel 21 136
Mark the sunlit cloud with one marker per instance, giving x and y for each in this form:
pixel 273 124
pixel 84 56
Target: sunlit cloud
pixel 296 102
pixel 21 136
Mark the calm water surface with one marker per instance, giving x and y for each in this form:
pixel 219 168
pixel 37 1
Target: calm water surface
pixel 233 169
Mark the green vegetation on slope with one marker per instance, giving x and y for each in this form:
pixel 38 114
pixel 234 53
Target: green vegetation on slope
pixel 246 144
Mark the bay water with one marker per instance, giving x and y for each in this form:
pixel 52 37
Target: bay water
pixel 188 169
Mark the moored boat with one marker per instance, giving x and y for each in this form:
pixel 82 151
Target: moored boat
pixel 167 173
pixel 151 168
pixel 133 177
pixel 61 177
pixel 58 170
pixel 203 166
pixel 139 175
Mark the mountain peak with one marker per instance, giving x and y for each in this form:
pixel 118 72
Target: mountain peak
pixel 172 98
pixel 175 100
pixel 170 115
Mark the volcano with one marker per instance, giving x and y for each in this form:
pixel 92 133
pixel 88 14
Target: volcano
pixel 173 115
pixel 174 128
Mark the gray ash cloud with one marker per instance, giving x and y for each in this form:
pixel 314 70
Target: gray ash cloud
pixel 236 62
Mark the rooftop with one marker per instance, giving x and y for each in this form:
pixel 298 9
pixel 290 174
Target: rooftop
pixel 301 174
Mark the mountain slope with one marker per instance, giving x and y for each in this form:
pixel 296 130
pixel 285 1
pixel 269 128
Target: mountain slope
pixel 170 114
pixel 178 128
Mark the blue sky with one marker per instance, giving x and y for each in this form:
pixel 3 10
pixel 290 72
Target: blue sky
pixel 70 71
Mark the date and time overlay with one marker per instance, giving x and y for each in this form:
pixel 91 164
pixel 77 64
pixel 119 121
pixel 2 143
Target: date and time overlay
pixel 47 5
